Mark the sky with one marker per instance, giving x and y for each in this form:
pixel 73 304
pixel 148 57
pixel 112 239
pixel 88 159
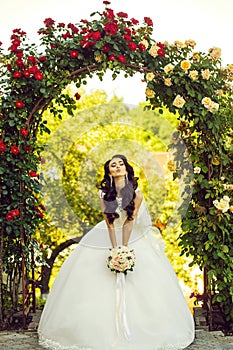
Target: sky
pixel 208 22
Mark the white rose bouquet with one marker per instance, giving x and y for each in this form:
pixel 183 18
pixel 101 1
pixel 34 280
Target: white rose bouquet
pixel 121 259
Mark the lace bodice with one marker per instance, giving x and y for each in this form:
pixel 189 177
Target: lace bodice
pixel 98 237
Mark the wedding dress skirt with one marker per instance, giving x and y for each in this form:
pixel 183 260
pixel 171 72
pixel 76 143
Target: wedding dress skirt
pixel 92 308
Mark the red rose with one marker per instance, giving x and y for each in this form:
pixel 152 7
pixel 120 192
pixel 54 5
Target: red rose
pixel 121 58
pixel 134 21
pixel 61 25
pixel 112 57
pixel 17 74
pixel 141 47
pixel 49 22
pixel 161 45
pixel 33 69
pixel 161 52
pixel 73 28
pixel 26 73
pixel 41 215
pixel 28 148
pixel 106 48
pixel 24 132
pixel 74 54
pixel 42 207
pixel 35 207
pixel 67 35
pixel 39 76
pixel 31 59
pixel 109 14
pixel 127 37
pixel 19 104
pixel 122 14
pixel 33 174
pixel 111 27
pixel 14 212
pixel 9 216
pixel 19 54
pixel 132 46
pixel 42 58
pixel 148 21
pixel 19 63
pixel 2 146
pixel 14 150
pixel 96 36
pixel 77 96
pixel 9 67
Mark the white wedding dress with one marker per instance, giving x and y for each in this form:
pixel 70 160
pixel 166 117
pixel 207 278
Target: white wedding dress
pixel 92 308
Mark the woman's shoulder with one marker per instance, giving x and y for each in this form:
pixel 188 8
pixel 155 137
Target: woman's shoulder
pixel 139 194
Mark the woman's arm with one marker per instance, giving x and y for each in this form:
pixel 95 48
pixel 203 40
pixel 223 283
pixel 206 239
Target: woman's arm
pixel 128 224
pixel 111 229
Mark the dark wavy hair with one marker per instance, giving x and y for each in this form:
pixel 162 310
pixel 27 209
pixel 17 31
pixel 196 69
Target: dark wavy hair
pixel 127 192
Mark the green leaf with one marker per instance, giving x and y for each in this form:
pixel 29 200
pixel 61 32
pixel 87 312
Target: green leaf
pixel 225 249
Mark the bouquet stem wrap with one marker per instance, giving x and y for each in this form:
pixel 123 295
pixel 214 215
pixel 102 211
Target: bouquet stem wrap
pixel 121 319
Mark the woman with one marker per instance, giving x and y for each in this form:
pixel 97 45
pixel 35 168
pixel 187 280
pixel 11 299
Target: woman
pixel 92 308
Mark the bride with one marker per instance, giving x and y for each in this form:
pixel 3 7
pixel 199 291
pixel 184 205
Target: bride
pixel 92 308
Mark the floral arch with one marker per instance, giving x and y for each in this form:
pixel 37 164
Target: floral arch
pixel 194 85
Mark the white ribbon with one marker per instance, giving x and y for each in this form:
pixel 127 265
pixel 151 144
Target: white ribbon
pixel 121 319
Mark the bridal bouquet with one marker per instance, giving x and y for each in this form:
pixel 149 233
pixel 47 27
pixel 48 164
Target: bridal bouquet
pixel 121 259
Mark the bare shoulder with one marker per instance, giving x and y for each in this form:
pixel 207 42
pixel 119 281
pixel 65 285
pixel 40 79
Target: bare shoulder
pixel 139 197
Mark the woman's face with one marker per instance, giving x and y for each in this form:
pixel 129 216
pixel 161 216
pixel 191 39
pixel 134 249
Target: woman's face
pixel 117 167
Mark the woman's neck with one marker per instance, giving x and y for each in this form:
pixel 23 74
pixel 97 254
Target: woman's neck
pixel 119 184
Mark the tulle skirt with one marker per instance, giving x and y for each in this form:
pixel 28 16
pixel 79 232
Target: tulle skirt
pixel 81 312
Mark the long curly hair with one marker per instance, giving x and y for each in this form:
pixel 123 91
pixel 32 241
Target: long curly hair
pixel 127 192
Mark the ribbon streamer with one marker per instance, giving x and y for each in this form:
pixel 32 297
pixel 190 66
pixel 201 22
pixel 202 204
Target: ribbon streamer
pixel 121 319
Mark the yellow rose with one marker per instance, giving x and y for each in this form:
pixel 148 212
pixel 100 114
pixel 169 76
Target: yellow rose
pixel 154 50
pixel 205 74
pixel 196 57
pixel 230 68
pixel 150 93
pixel 190 43
pixel 179 101
pixel 150 76
pixel 168 68
pixel 223 205
pixel 206 101
pixel 214 106
pixel 193 74
pixel 215 53
pixel 179 44
pixel 168 82
pixel 185 65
